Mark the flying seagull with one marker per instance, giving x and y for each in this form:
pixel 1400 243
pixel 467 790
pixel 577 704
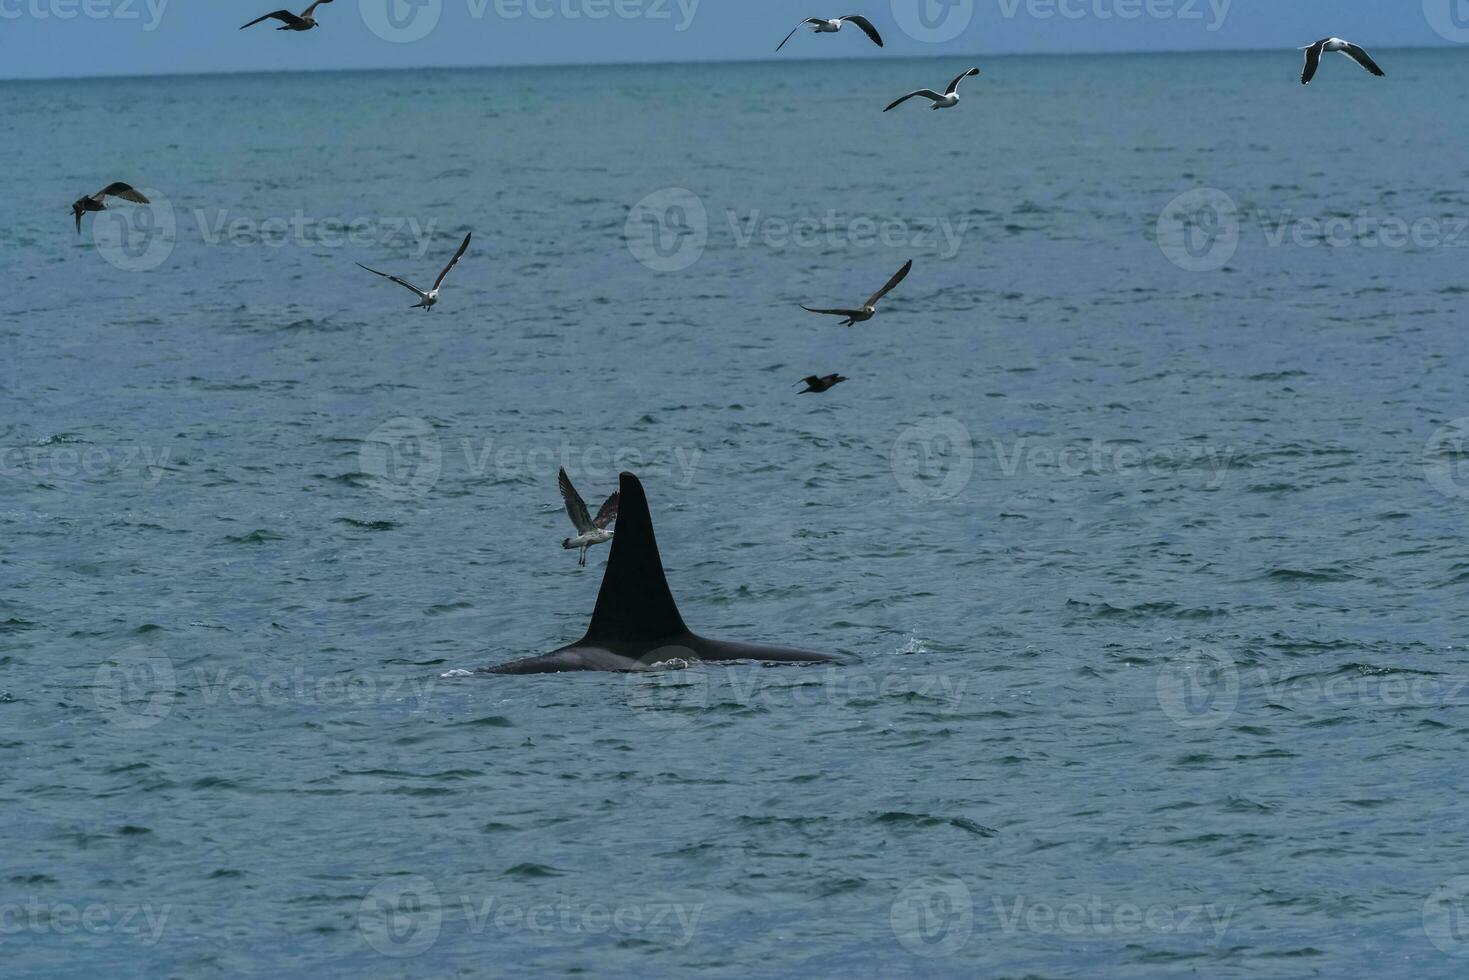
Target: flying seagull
pixel 869 307
pixel 426 299
pixel 820 25
pixel 1355 52
pixel 98 201
pixel 948 100
pixel 291 22
pixel 816 384
pixel 589 530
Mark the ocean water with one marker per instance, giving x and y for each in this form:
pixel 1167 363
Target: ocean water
pixel 1142 510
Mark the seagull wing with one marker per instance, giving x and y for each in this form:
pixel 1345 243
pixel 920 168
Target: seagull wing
pixel 1361 57
pixel 866 26
pixel 954 85
pixel 808 20
pixel 402 282
pixel 125 191
pixel 76 209
pixel 833 312
pixel 897 278
pixel 608 513
pixel 312 9
pixel 284 16
pixel 927 93
pixel 452 262
pixel 1313 61
pixel 576 508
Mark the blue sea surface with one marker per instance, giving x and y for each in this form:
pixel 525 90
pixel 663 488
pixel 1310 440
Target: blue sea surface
pixel 1143 510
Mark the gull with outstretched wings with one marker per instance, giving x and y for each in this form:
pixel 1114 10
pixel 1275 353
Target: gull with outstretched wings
pixel 589 530
pixel 870 307
pixel 823 25
pixel 426 300
pixel 1332 44
pixel 303 21
pixel 98 201
pixel 948 100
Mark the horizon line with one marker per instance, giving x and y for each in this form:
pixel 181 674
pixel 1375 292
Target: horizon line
pixel 1445 46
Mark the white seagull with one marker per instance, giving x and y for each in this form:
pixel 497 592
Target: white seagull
pixel 426 299
pixel 948 100
pixel 1353 51
pixel 98 201
pixel 304 22
pixel 589 530
pixel 869 308
pixel 821 25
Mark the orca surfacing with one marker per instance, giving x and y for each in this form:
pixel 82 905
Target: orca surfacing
pixel 636 625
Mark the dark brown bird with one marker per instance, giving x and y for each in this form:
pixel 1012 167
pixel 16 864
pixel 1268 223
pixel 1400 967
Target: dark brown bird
pixel 98 201
pixel 290 21
pixel 816 384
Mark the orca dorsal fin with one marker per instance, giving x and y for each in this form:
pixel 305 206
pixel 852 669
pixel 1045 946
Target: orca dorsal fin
pixel 634 603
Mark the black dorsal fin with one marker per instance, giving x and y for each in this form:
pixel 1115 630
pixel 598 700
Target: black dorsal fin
pixel 634 603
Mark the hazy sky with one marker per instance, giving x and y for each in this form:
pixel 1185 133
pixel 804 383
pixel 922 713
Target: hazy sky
pixel 41 38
